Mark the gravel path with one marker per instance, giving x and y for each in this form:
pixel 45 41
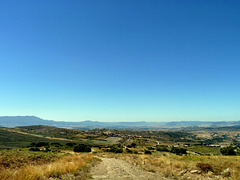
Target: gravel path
pixel 115 169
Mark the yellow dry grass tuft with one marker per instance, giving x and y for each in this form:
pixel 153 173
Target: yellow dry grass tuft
pixel 74 164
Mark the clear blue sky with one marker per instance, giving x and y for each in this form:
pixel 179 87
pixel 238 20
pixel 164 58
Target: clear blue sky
pixel 123 60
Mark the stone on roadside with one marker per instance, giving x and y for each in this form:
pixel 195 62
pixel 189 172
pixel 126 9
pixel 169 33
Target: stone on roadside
pixel 226 172
pixel 182 172
pixel 195 171
pixel 210 173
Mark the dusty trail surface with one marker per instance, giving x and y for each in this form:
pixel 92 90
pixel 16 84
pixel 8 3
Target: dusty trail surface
pixel 115 169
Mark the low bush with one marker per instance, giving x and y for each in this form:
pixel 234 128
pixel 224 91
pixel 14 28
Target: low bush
pixel 205 167
pixel 82 148
pixel 34 149
pixel 229 150
pixel 151 148
pixel 132 145
pixel 164 149
pixel 178 150
pixel 147 152
pixel 40 144
pixel 129 150
pixel 115 149
pixel 71 144
pixel 56 144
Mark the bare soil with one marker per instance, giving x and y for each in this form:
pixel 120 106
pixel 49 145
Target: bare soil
pixel 115 169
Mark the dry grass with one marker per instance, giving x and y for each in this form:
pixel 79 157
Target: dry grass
pixel 16 158
pixel 72 164
pixel 171 165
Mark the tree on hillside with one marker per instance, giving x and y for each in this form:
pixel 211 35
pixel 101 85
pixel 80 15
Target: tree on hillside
pixel 147 151
pixel 178 150
pixel 229 150
pixel 134 145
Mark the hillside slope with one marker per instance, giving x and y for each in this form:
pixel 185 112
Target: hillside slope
pixel 10 138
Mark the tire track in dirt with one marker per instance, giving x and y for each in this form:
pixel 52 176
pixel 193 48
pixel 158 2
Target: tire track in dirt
pixel 115 169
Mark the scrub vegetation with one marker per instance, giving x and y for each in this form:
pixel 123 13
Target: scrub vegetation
pixel 42 152
pixel 32 166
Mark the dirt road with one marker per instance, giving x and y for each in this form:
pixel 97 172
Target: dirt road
pixel 115 169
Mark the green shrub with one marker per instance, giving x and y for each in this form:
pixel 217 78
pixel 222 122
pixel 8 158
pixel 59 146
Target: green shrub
pixel 46 149
pixel 135 152
pixel 133 145
pixel 119 145
pixel 147 152
pixel 40 144
pixel 119 150
pixel 178 150
pixel 34 149
pixel 129 150
pixel 33 144
pixel 56 144
pixel 164 149
pixel 82 148
pixel 151 148
pixel 71 144
pixel 229 150
pixel 115 149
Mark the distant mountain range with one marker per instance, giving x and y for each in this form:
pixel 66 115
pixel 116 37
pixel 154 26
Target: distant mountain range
pixel 13 121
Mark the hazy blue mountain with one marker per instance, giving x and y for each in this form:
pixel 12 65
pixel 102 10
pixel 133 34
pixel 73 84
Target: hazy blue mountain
pixel 13 121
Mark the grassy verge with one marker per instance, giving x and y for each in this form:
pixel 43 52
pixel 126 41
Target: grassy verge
pixel 182 167
pixel 60 166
